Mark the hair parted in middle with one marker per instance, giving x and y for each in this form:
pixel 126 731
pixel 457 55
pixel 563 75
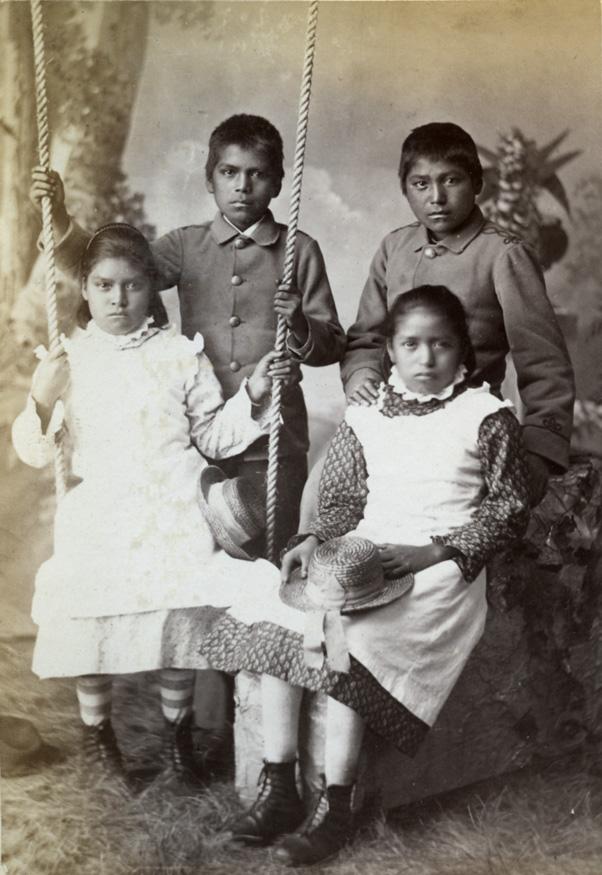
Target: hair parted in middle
pixel 248 132
pixel 441 141
pixel 439 300
pixel 120 240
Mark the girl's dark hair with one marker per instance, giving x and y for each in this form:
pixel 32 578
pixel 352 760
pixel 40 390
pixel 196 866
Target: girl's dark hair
pixel 119 240
pixel 441 141
pixel 248 132
pixel 439 300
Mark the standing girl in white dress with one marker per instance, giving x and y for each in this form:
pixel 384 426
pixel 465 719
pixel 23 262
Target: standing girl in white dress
pixel 432 480
pixel 133 555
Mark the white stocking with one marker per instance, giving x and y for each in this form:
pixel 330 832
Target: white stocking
pixel 280 704
pixel 344 735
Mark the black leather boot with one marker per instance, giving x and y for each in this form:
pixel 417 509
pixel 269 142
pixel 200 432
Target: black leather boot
pixel 324 833
pixel 101 749
pixel 178 752
pixel 278 808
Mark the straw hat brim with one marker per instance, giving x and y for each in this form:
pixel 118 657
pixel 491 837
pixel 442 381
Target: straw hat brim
pixel 22 749
pixel 210 476
pixel 293 594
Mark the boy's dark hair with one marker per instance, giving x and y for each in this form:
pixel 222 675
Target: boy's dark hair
pixel 248 132
pixel 119 240
pixel 439 300
pixel 441 141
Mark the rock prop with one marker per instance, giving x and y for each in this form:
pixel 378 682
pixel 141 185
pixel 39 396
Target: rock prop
pixel 532 688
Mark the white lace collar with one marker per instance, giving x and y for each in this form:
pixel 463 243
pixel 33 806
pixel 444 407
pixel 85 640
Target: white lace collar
pixel 124 341
pixel 400 388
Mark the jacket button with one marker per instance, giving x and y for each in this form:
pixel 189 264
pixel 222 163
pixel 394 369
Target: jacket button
pixel 430 252
pixel 235 366
pixel 234 321
pixel 236 280
pixel 241 242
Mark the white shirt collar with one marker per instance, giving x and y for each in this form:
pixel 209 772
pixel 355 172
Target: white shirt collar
pixel 248 232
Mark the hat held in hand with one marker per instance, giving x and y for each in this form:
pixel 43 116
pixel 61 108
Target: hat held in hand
pixel 234 509
pixel 344 575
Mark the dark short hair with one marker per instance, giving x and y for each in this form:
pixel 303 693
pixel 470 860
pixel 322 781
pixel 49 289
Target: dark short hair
pixel 248 132
pixel 120 240
pixel 439 300
pixel 441 141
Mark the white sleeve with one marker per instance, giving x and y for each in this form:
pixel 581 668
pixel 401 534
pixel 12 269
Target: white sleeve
pixel 32 445
pixel 221 429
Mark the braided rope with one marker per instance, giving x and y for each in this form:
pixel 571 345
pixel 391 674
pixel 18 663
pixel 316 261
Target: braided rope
pixel 47 232
pixel 287 275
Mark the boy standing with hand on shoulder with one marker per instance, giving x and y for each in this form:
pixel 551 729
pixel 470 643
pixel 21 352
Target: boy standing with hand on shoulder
pixel 496 276
pixel 227 274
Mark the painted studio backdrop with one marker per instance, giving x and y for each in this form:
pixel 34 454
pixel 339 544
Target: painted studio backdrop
pixel 135 89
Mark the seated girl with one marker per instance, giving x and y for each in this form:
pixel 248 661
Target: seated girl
pixel 133 555
pixel 431 480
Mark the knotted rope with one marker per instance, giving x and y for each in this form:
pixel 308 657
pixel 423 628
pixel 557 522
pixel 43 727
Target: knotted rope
pixel 47 232
pixel 287 274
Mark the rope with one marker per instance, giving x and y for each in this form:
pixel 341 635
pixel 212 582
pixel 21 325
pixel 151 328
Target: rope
pixel 47 232
pixel 287 276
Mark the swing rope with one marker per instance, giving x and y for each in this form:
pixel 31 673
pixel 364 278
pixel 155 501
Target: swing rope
pixel 47 231
pixel 287 277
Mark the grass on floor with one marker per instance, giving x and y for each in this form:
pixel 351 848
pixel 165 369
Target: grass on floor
pixel 61 820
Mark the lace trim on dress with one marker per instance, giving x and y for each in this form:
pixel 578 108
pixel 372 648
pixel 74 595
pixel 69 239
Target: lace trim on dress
pixel 125 341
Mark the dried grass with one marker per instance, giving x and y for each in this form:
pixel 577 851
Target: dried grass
pixel 545 822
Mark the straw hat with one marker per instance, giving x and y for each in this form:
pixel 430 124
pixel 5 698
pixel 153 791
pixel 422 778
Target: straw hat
pixel 234 508
pixel 21 747
pixel 344 574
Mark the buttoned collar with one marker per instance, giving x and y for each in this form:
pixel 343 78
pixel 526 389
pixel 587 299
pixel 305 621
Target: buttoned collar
pixel 458 240
pixel 264 233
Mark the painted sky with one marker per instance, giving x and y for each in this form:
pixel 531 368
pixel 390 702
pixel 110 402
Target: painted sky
pixel 381 68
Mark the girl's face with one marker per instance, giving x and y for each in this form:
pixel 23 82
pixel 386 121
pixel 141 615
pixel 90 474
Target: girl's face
pixel 118 293
pixel 425 350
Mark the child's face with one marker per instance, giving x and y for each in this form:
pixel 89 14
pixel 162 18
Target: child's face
pixel 441 195
pixel 425 351
pixel 243 185
pixel 118 295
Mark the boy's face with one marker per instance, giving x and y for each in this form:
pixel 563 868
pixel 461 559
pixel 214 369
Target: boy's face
pixel 441 195
pixel 243 184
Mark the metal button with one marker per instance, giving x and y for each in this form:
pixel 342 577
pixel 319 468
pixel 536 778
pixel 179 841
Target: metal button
pixel 235 366
pixel 234 321
pixel 430 252
pixel 236 280
pixel 241 242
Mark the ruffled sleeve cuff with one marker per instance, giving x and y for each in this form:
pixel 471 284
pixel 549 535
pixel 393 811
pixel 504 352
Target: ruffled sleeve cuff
pixel 32 445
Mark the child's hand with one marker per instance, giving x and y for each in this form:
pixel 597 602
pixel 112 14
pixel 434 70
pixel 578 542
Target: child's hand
pixel 273 366
pixel 299 555
pixel 287 303
pixel 362 393
pixel 49 184
pixel 400 559
pixel 50 381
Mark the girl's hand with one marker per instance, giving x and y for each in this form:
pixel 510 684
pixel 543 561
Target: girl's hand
pixel 50 381
pixel 400 559
pixel 299 555
pixel 49 184
pixel 273 366
pixel 287 303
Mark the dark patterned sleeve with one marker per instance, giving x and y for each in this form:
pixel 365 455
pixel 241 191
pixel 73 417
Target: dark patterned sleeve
pixel 503 513
pixel 343 486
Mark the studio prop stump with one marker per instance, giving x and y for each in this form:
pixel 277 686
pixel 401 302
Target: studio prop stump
pixel 532 687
